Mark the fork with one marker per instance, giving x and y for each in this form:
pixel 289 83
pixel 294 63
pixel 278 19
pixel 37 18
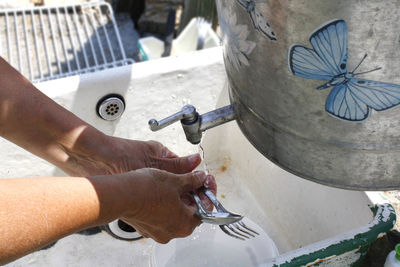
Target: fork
pixel 230 223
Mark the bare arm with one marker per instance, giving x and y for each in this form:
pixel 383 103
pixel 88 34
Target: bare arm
pixel 36 123
pixel 37 211
pixel 33 121
pixel 47 209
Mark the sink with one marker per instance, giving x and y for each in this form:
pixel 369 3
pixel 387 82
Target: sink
pixel 209 246
pixel 306 222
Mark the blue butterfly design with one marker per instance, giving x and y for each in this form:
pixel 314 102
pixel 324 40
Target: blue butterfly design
pixel 351 98
pixel 260 23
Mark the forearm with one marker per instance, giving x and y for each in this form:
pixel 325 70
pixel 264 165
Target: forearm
pixel 36 212
pixel 33 121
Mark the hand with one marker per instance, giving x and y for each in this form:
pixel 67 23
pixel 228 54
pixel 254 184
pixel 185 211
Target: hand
pixel 150 154
pixel 36 123
pixel 148 199
pixel 118 155
pixel 157 209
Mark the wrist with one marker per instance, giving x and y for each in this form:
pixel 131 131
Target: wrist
pixel 112 193
pixel 86 151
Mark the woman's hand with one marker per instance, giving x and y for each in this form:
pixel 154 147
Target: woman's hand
pixel 46 209
pixel 36 123
pixel 155 205
pixel 154 201
pixel 118 155
pixel 127 155
pixel 132 155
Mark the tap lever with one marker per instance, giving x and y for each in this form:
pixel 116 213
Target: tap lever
pixel 187 114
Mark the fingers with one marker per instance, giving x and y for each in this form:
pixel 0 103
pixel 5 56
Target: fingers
pixel 172 211
pixel 193 221
pixel 194 181
pixel 160 150
pixel 163 158
pixel 179 165
pixel 180 226
pixel 210 184
pixel 191 181
pixel 187 199
pixel 166 153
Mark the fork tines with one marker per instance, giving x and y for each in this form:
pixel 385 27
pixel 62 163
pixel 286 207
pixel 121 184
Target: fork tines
pixel 238 230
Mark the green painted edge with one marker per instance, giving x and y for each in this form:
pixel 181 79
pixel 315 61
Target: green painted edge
pixel 143 54
pixel 362 252
pixel 397 250
pixel 359 241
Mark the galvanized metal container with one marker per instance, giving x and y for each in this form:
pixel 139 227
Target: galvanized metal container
pixel 305 93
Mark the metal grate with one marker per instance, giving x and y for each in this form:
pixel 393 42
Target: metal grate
pixel 46 43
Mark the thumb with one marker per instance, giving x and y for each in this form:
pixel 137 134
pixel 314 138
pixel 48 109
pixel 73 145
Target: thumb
pixel 191 181
pixel 179 165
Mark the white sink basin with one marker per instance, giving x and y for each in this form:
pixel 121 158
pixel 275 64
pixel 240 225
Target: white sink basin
pixel 301 217
pixel 209 246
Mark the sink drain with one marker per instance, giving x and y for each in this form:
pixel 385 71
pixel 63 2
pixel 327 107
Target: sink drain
pixel 121 230
pixel 111 107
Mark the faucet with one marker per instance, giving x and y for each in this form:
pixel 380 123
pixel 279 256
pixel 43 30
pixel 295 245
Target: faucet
pixel 194 124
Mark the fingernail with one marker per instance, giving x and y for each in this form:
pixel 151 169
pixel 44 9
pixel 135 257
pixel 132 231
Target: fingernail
pixel 201 175
pixel 207 183
pixel 193 159
pixel 164 153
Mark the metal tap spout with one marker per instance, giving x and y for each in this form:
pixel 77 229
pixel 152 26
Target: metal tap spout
pixel 194 124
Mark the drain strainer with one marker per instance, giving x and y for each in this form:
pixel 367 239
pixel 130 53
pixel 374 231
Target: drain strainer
pixel 121 230
pixel 111 108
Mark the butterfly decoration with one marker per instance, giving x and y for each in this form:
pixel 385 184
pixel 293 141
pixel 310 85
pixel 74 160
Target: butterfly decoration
pixel 351 98
pixel 259 22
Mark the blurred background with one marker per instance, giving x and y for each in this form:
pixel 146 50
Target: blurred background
pixel 49 39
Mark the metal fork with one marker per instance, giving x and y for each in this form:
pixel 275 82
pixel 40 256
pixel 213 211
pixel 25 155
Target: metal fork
pixel 230 223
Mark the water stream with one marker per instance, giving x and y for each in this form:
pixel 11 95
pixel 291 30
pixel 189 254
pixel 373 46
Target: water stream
pixel 203 164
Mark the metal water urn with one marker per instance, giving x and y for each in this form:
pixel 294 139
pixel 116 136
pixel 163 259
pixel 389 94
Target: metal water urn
pixel 315 86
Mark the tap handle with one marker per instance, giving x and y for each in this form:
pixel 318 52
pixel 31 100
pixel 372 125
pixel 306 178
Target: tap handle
pixel 186 115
